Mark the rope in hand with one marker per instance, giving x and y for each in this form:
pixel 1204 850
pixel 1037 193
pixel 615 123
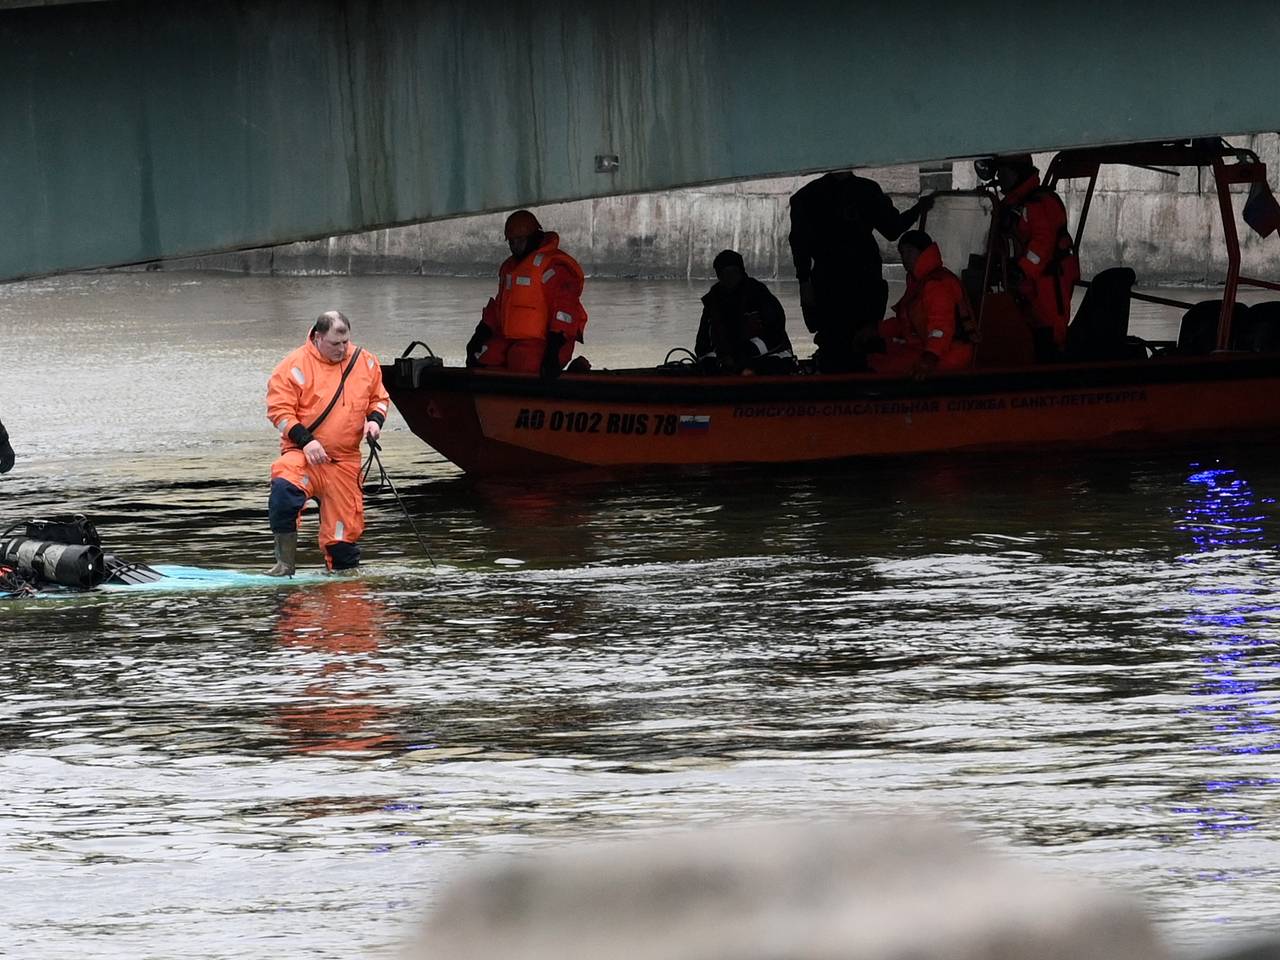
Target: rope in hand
pixel 385 481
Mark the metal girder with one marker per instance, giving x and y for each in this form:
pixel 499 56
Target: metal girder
pixel 143 129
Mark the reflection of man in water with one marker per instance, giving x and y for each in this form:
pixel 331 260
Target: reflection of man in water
pixel 842 292
pixel 6 451
pixel 338 621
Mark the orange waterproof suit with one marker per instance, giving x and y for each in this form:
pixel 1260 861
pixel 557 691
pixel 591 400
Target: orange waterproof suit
pixel 300 388
pixel 1042 250
pixel 538 301
pixel 930 318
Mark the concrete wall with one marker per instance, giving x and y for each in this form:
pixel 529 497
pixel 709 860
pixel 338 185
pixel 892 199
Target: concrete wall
pixel 1170 228
pixel 1167 228
pixel 673 234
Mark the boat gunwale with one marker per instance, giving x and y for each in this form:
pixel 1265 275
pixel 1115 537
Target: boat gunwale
pixel 629 387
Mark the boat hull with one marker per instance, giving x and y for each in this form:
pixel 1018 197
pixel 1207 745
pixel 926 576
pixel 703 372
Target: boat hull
pixel 499 423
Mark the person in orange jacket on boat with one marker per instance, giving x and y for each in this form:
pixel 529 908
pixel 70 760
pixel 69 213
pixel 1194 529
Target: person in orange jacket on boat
pixel 1044 265
pixel 533 323
pixel 325 398
pixel 6 451
pixel 930 327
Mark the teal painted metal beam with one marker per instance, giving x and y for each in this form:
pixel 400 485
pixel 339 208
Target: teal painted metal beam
pixel 143 129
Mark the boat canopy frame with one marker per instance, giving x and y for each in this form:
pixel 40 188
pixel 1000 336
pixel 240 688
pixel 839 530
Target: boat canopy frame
pixel 1211 153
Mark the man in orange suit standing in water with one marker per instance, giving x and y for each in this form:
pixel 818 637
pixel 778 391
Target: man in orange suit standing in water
pixel 324 398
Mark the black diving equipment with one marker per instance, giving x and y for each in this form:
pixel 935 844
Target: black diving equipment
pixel 66 552
pixel 66 564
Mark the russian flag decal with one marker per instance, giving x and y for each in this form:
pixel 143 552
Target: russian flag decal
pixel 695 423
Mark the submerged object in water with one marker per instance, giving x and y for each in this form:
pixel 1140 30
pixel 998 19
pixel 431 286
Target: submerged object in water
pixel 38 557
pixel 68 553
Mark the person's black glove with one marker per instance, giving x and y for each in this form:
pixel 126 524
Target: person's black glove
pixel 6 453
pixel 551 359
pixel 478 340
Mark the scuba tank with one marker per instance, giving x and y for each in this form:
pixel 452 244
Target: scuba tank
pixel 67 564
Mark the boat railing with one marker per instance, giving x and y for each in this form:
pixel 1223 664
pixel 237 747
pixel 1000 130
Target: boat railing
pixel 1146 297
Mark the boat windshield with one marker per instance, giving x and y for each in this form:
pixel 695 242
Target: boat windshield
pixel 960 223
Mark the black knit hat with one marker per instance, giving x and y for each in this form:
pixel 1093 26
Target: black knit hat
pixel 727 257
pixel 916 240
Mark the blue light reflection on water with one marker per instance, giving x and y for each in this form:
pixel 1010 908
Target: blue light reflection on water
pixel 1223 515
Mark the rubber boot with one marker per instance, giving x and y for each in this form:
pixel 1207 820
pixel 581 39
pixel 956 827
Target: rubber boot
pixel 286 555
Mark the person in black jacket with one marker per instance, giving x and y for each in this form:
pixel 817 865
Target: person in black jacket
pixel 6 451
pixel 743 325
pixel 842 292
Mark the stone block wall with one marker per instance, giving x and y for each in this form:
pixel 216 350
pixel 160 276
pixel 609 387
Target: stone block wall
pixel 1166 227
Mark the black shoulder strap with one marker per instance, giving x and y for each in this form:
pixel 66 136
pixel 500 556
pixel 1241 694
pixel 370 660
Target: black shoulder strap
pixel 337 393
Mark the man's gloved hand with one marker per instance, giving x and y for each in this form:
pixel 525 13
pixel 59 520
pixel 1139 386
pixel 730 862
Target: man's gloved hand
pixel 478 340
pixel 6 453
pixel 551 359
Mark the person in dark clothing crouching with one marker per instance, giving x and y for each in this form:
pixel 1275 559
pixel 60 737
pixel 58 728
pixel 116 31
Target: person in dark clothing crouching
pixel 743 327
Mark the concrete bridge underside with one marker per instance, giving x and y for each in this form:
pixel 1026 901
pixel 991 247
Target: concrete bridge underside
pixel 136 130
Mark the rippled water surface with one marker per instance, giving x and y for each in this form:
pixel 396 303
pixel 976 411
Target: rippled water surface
pixel 1074 654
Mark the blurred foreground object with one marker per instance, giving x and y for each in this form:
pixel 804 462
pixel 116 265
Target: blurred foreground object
pixel 6 451
pixel 871 889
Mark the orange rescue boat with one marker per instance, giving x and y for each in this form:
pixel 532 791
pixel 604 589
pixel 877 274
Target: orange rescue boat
pixel 1220 378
